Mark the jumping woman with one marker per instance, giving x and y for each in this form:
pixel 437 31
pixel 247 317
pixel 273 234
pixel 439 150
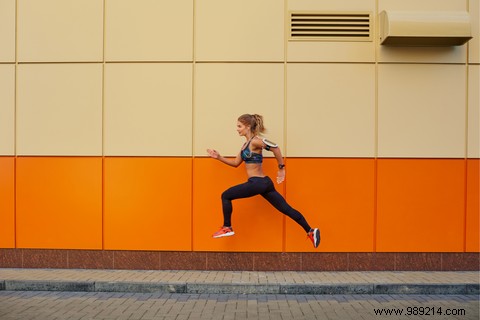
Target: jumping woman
pixel 250 126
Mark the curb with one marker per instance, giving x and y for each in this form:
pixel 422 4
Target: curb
pixel 139 287
pixel 38 285
pixel 239 288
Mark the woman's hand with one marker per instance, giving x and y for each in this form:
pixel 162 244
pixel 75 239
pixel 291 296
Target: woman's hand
pixel 213 153
pixel 280 176
pixel 235 162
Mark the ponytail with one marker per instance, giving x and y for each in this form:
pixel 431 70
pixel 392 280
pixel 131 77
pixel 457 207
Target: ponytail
pixel 255 121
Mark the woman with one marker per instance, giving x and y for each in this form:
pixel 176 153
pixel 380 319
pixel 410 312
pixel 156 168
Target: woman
pixel 249 126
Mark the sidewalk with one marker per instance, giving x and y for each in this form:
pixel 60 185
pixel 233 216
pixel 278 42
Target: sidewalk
pixel 241 282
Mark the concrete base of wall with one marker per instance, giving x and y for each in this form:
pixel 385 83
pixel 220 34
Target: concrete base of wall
pixel 239 261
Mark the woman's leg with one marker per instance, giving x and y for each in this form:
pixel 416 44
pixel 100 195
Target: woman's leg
pixel 277 200
pixel 248 189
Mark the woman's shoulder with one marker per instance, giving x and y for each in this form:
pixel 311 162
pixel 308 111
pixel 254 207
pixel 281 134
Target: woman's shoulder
pixel 262 142
pixel 258 141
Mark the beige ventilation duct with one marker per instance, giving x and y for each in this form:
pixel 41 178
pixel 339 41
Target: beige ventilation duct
pixel 424 29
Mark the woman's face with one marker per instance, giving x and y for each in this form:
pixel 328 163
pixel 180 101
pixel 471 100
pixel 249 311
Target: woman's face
pixel 242 129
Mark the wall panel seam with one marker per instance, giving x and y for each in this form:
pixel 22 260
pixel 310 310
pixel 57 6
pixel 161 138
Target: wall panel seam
pixel 15 132
pixel 192 176
pixel 103 124
pixel 285 107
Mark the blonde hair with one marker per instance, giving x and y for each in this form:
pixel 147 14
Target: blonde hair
pixel 255 121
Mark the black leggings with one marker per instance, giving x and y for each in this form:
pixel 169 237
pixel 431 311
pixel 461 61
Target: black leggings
pixel 264 187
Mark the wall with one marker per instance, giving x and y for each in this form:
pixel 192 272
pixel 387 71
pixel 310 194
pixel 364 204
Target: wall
pixel 107 107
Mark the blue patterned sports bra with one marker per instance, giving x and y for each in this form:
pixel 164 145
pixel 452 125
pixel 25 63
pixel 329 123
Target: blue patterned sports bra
pixel 251 157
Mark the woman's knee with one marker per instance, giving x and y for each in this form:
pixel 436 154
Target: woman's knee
pixel 226 195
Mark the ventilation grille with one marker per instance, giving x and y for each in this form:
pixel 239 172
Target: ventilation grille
pixel 340 26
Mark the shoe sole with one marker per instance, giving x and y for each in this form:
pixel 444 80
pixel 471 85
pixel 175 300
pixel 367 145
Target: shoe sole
pixel 228 234
pixel 316 237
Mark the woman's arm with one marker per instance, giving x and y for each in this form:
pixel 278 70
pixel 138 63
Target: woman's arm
pixel 278 155
pixel 231 162
pixel 281 171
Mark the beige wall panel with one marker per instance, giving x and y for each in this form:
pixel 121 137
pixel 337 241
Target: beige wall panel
pixel 7 109
pixel 59 109
pixel 59 30
pixel 473 111
pixel 474 44
pixel 456 54
pixel 424 5
pixel 223 92
pixel 331 110
pixel 331 51
pixel 239 30
pixel 148 109
pixel 7 30
pixel 156 30
pixel 421 111
pixel 332 5
pixel 323 51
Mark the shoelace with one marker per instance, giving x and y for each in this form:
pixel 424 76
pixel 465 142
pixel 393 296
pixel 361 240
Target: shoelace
pixel 310 236
pixel 223 230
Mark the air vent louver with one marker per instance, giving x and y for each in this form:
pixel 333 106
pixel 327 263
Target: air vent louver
pixel 336 26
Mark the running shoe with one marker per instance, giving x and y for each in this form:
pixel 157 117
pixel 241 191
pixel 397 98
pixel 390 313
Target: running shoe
pixel 224 232
pixel 314 236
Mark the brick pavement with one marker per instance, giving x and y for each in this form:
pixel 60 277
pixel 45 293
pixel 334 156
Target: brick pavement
pixel 41 305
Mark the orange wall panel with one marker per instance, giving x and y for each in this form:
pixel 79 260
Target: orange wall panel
pixel 473 207
pixel 7 202
pixel 59 202
pixel 258 226
pixel 148 203
pixel 421 205
pixel 335 195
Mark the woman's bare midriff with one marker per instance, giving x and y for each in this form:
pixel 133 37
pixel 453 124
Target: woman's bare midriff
pixel 254 170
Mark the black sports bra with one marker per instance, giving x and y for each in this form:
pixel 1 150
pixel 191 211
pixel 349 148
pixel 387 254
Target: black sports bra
pixel 249 156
